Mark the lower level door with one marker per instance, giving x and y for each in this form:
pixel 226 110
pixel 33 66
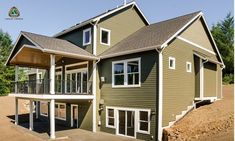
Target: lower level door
pixel 74 116
pixel 126 125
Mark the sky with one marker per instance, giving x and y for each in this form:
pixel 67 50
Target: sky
pixel 49 17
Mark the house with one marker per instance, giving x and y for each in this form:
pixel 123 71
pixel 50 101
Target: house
pixel 119 74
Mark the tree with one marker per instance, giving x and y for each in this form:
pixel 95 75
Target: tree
pixel 6 73
pixel 223 33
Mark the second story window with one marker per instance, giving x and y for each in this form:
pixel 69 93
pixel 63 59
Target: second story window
pixel 126 73
pixel 105 36
pixel 87 36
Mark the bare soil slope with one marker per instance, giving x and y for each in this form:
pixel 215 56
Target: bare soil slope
pixel 212 122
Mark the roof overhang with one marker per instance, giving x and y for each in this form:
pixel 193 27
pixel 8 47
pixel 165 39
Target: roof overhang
pixel 206 58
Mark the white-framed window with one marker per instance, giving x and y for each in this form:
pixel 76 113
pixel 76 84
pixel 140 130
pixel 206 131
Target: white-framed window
pixel 110 118
pixel 86 36
pixel 58 80
pixel 105 35
pixel 171 63
pixel 144 121
pixel 39 77
pixel 60 111
pixel 126 73
pixel 188 66
pixel 43 108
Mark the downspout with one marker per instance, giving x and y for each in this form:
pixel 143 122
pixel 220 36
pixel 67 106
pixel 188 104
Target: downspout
pixel 160 90
pixel 94 75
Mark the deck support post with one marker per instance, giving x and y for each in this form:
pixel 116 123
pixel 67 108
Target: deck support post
pixel 52 91
pixel 16 99
pixel 37 109
pixel 94 99
pixel 31 115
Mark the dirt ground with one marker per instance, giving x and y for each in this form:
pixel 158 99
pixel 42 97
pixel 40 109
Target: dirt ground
pixel 212 122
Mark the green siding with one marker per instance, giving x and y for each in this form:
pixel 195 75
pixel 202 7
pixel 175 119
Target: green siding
pixel 122 24
pixel 140 97
pixel 210 79
pixel 76 37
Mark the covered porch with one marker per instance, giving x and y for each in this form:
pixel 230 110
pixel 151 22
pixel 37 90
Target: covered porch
pixel 70 76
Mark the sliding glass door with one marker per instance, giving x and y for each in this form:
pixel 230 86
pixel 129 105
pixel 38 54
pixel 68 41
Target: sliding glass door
pixel 126 125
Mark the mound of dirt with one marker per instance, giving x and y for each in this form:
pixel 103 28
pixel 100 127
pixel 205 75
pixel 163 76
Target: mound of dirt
pixel 210 122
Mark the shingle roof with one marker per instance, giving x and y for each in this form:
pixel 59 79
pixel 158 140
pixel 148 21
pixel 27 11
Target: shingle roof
pixel 149 37
pixel 57 45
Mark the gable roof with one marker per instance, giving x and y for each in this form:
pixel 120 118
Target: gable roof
pixel 53 45
pixel 155 36
pixel 103 15
pixel 149 37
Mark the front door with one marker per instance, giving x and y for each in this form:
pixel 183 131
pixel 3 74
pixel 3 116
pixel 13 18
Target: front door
pixel 126 125
pixel 74 116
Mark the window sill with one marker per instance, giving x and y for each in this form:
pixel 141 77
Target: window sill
pixel 104 44
pixel 126 86
pixel 85 44
pixel 143 132
pixel 108 126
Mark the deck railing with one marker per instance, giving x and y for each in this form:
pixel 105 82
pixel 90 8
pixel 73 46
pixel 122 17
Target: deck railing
pixel 42 86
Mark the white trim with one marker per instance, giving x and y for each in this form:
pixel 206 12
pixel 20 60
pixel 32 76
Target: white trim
pixel 95 38
pixel 212 99
pixel 201 79
pixel 180 30
pixel 90 37
pixel 174 63
pixel 221 81
pixel 190 66
pixel 136 122
pixel 76 64
pixel 52 74
pixel 212 39
pixel 125 63
pixel 196 45
pixel 160 99
pixel 71 115
pixel 109 36
pixel 52 119
pixel 94 106
pixel 50 96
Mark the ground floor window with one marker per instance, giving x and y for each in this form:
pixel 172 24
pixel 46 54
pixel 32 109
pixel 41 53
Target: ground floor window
pixel 44 108
pixel 128 121
pixel 60 111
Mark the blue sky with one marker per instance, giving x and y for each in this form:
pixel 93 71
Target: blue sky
pixel 51 16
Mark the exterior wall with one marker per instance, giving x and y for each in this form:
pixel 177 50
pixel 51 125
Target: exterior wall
pixel 219 82
pixel 197 33
pixel 121 25
pixel 210 71
pixel 178 85
pixel 76 37
pixel 144 97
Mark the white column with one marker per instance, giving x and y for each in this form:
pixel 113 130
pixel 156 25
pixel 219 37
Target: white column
pixel 52 118
pixel 16 111
pixel 201 80
pixel 16 77
pixel 52 91
pixel 37 109
pixel 52 74
pixel 31 115
pixel 94 100
pixel 160 79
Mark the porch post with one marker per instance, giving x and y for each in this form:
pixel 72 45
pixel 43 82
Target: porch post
pixel 52 91
pixel 16 111
pixel 31 115
pixel 94 100
pixel 16 99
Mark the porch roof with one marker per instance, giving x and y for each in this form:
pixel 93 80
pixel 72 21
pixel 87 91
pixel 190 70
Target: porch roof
pixel 35 50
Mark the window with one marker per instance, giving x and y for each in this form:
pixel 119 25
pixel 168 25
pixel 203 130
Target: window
pixel 60 111
pixel 105 36
pixel 188 66
pixel 144 121
pixel 43 108
pixel 171 63
pixel 40 78
pixel 110 118
pixel 86 36
pixel 58 83
pixel 126 73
